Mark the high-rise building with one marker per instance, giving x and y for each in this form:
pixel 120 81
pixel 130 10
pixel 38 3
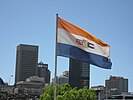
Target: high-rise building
pixel 43 72
pixel 26 61
pixel 116 84
pixel 79 74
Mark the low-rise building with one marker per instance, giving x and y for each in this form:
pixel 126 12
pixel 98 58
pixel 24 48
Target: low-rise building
pixel 32 85
pixel 100 92
pixel 63 80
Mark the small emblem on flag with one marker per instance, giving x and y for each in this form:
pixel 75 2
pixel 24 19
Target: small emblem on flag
pixel 90 45
pixel 85 44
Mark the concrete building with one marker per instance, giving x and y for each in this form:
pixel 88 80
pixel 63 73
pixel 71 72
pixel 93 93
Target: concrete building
pixel 62 79
pixel 100 92
pixel 116 85
pixel 32 85
pixel 26 61
pixel 43 72
pixel 35 79
pixel 79 74
pixel 65 73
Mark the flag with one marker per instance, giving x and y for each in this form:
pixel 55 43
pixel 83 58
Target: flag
pixel 76 43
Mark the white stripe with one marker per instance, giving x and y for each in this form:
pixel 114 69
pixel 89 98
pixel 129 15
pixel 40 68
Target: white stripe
pixel 68 38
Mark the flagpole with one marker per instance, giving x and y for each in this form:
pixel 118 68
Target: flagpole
pixel 55 76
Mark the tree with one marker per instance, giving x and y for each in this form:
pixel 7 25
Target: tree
pixel 65 92
pixel 59 97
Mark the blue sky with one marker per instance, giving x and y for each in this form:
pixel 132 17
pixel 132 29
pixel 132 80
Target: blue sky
pixel 33 22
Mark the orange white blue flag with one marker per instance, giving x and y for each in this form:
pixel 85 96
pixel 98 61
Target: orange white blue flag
pixel 76 43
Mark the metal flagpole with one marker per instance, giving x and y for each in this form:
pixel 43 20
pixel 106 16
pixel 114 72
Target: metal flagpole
pixel 56 57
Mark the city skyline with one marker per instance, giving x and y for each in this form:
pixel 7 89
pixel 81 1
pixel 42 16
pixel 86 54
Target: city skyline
pixel 34 22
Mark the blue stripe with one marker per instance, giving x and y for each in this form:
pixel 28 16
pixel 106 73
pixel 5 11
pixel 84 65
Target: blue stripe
pixel 76 53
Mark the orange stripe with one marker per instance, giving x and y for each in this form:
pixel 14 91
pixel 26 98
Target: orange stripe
pixel 78 31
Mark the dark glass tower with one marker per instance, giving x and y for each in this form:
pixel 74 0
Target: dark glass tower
pixel 79 74
pixel 43 72
pixel 26 62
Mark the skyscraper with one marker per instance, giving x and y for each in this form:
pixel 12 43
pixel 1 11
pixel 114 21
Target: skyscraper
pixel 26 61
pixel 79 74
pixel 43 72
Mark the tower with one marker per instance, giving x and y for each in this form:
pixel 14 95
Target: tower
pixel 43 72
pixel 26 61
pixel 79 73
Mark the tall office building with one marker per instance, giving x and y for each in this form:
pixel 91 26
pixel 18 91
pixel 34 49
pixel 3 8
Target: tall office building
pixel 79 74
pixel 26 61
pixel 116 84
pixel 43 72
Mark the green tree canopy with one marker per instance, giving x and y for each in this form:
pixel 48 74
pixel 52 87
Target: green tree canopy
pixel 65 92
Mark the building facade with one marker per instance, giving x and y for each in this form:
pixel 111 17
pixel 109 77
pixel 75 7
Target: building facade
pixel 64 78
pixel 32 85
pixel 116 85
pixel 79 74
pixel 100 92
pixel 43 72
pixel 26 61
